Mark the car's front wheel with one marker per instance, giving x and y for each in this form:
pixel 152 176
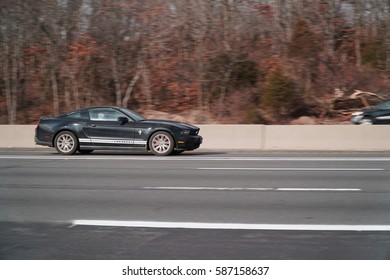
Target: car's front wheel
pixel 366 121
pixel 66 143
pixel 161 143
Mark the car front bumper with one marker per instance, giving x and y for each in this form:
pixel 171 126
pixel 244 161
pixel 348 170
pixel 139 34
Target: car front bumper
pixel 357 119
pixel 189 143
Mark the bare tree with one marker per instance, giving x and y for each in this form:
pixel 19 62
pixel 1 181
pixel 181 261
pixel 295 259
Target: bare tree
pixel 12 32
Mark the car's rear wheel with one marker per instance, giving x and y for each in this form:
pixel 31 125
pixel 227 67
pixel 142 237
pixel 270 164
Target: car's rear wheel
pixel 161 143
pixel 66 143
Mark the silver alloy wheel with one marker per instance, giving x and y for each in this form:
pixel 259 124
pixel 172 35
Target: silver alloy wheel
pixel 161 143
pixel 66 143
pixel 366 121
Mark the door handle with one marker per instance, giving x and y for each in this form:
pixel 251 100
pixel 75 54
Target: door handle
pixel 92 125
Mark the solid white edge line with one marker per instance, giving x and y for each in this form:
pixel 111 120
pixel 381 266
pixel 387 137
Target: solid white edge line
pixel 200 158
pixel 239 226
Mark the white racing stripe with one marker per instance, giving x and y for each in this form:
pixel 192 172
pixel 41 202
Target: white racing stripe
pixel 254 189
pixel 112 141
pixel 242 226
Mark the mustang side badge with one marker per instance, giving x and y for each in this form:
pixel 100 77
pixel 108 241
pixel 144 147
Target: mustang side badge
pixel 140 132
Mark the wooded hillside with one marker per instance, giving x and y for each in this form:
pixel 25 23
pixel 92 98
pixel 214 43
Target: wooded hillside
pixel 225 61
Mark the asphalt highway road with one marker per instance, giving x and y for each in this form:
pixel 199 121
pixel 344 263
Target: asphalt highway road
pixel 199 205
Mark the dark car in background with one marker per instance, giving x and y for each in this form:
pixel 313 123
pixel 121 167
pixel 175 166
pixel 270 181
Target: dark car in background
pixel 379 114
pixel 108 128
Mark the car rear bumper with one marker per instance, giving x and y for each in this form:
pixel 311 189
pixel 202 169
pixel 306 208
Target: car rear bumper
pixel 42 143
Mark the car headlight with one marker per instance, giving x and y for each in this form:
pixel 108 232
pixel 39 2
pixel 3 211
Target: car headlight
pixel 185 132
pixel 357 113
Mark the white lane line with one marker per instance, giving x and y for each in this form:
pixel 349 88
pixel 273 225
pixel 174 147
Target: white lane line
pixel 199 158
pixel 254 189
pixel 242 226
pixel 319 189
pixel 76 157
pixel 289 169
pixel 208 188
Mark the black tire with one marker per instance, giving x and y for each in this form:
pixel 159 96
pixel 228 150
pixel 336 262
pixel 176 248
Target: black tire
pixel 161 143
pixel 85 151
pixel 66 143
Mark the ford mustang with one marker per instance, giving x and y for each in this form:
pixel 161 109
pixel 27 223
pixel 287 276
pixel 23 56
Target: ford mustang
pixel 108 127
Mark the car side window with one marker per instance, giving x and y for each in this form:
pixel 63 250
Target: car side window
pixel 75 115
pixel 105 115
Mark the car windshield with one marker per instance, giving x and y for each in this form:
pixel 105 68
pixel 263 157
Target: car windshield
pixel 383 105
pixel 136 117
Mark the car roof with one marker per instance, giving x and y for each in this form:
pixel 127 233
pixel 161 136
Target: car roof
pixel 102 107
pixel 89 108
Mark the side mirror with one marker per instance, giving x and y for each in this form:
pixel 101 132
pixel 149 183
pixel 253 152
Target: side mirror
pixel 123 120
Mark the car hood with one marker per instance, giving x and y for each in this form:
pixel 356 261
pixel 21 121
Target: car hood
pixel 174 123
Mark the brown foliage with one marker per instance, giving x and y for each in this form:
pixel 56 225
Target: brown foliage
pixel 177 56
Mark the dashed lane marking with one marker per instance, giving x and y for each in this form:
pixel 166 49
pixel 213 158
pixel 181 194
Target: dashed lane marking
pixel 237 226
pixel 289 169
pixel 255 189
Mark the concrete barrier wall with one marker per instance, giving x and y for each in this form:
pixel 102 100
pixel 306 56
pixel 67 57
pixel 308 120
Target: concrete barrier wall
pixel 255 137
pixel 17 136
pixel 327 137
pixel 242 137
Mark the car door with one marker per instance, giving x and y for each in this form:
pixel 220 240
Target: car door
pixel 382 115
pixel 104 129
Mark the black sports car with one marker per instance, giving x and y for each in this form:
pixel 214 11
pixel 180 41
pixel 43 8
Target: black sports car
pixel 107 128
pixel 379 114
